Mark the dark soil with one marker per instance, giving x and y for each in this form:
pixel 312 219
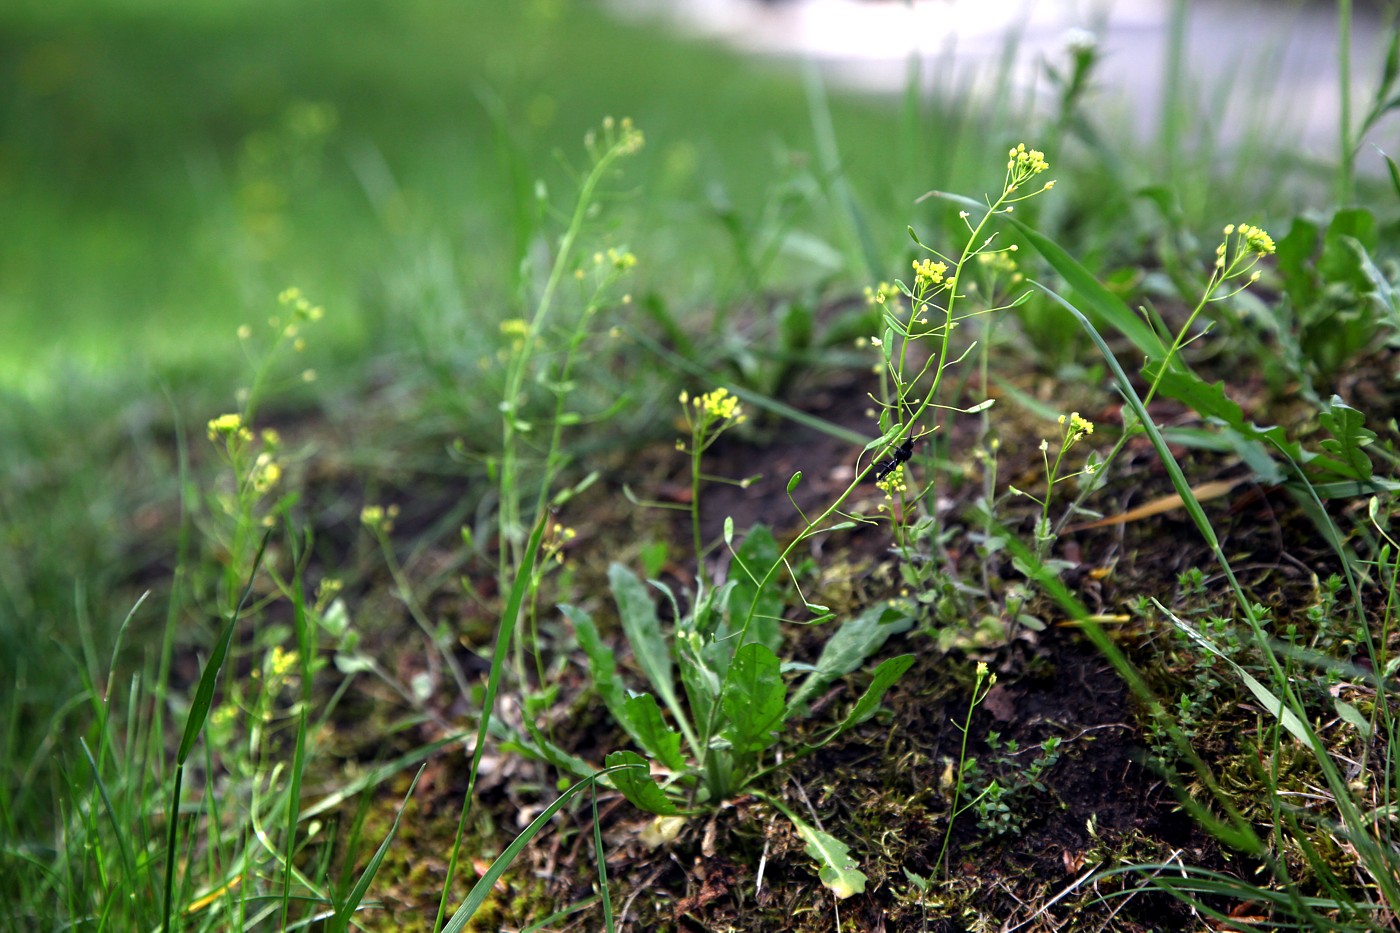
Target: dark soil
pixel 1110 800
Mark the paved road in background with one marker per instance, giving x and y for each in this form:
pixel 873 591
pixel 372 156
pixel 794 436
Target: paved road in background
pixel 1264 66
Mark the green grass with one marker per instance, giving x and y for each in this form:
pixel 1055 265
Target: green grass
pixel 175 759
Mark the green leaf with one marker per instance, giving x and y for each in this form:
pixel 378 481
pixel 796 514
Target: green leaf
pixel 1392 168
pixel 1099 304
pixel 885 677
pixel 638 616
pixel 602 665
pixel 753 703
pixel 209 677
pixel 633 779
pixel 838 871
pixel 1353 716
pixel 752 560
pixel 1250 441
pixel 643 630
pixel 644 723
pixel 537 745
pixel 1347 458
pixel 847 649
pixel 794 481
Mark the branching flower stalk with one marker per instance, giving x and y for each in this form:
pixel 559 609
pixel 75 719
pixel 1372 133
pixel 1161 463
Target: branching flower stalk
pixel 982 684
pixel 707 416
pixel 1236 259
pixel 619 139
pixel 933 283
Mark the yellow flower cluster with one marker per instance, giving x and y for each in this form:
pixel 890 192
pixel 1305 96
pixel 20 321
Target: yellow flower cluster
pixel 884 293
pixel 928 273
pixel 554 543
pixel 229 426
pixel 1256 239
pixel 1025 163
pixel 893 482
pixel 621 260
pixel 378 517
pixel 717 405
pixel 266 472
pixel 301 308
pixel 280 663
pixel 999 261
pixel 1078 427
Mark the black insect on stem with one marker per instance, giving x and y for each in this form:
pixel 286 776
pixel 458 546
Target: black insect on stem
pixel 901 455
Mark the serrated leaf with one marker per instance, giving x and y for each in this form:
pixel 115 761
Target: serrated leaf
pixel 1349 436
pixel 753 703
pixel 837 870
pixel 635 783
pixel 847 649
pixel 645 724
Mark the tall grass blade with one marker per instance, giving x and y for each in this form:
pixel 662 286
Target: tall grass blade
pixel 341 921
pixel 482 889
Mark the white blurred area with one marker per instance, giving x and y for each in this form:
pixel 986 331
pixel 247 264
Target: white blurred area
pixel 1265 66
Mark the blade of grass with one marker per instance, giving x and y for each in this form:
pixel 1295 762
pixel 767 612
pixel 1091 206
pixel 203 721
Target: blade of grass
pixel 198 716
pixel 482 889
pixel 341 921
pixel 509 619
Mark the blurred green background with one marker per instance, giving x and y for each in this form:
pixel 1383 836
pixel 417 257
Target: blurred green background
pixel 166 169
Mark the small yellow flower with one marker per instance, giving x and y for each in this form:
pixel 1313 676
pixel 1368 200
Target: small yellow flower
pixel 928 273
pixel 1078 426
pixel 514 327
pixel 229 426
pixel 1026 162
pixel 266 472
pixel 281 663
pixel 719 405
pixel 621 260
pixel 1256 240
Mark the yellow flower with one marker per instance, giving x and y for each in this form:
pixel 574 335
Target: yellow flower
pixel 281 663
pixel 266 472
pixel 1256 240
pixel 1078 427
pixel 228 426
pixel 1025 163
pixel 928 273
pixel 719 405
